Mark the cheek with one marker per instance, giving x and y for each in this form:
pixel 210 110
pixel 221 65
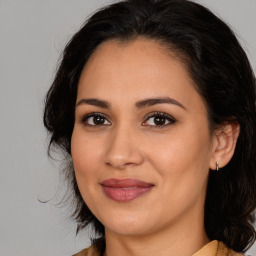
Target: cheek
pixel 183 168
pixel 180 151
pixel 182 160
pixel 86 158
pixel 85 154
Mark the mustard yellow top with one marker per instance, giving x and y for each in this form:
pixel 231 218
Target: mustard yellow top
pixel 214 248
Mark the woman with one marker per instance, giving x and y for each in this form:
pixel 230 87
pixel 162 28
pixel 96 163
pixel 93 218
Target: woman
pixel 154 104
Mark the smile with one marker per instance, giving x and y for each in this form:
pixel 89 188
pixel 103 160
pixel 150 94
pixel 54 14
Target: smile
pixel 125 190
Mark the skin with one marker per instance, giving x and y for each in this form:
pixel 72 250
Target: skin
pixel 175 157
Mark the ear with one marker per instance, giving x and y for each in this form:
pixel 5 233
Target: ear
pixel 224 144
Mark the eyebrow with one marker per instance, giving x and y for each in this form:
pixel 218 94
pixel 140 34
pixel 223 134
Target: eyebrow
pixel 153 101
pixel 94 102
pixel 140 104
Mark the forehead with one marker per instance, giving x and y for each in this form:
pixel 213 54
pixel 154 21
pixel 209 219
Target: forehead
pixel 137 51
pixel 135 69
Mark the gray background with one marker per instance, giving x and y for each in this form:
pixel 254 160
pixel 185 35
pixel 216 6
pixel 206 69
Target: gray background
pixel 32 35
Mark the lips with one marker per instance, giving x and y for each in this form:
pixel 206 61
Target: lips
pixel 125 190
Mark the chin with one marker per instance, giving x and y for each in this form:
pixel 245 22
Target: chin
pixel 128 225
pixel 128 230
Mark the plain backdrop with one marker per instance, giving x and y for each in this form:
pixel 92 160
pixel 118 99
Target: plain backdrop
pixel 32 36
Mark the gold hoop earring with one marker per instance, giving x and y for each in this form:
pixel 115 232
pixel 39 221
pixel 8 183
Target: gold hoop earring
pixel 217 166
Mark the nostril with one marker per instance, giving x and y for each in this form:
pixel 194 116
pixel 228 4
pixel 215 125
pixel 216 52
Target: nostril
pixel 123 149
pixel 123 160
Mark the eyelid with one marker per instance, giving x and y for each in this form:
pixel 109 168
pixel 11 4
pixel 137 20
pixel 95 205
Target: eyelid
pixel 93 114
pixel 170 118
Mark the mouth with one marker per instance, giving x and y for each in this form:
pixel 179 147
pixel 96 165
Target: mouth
pixel 125 190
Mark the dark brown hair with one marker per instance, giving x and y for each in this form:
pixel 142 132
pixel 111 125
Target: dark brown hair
pixel 221 71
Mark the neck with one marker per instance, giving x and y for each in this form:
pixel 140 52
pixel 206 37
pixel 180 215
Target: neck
pixel 176 240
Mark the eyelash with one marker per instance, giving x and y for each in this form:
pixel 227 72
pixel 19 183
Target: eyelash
pixel 167 117
pixel 94 114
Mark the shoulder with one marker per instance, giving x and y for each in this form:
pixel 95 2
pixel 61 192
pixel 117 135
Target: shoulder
pixel 82 253
pixel 223 250
pixel 216 248
pixel 90 251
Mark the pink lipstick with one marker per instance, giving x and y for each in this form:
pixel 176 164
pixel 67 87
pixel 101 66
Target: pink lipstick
pixel 126 189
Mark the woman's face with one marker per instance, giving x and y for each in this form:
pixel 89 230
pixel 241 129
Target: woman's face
pixel 141 145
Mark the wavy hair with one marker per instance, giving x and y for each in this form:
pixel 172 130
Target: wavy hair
pixel 223 77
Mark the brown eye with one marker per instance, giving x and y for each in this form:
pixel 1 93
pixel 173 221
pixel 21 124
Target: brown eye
pixel 98 120
pixel 95 119
pixel 159 119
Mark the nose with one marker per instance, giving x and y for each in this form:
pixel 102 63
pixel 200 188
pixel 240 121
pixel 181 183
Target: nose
pixel 123 149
